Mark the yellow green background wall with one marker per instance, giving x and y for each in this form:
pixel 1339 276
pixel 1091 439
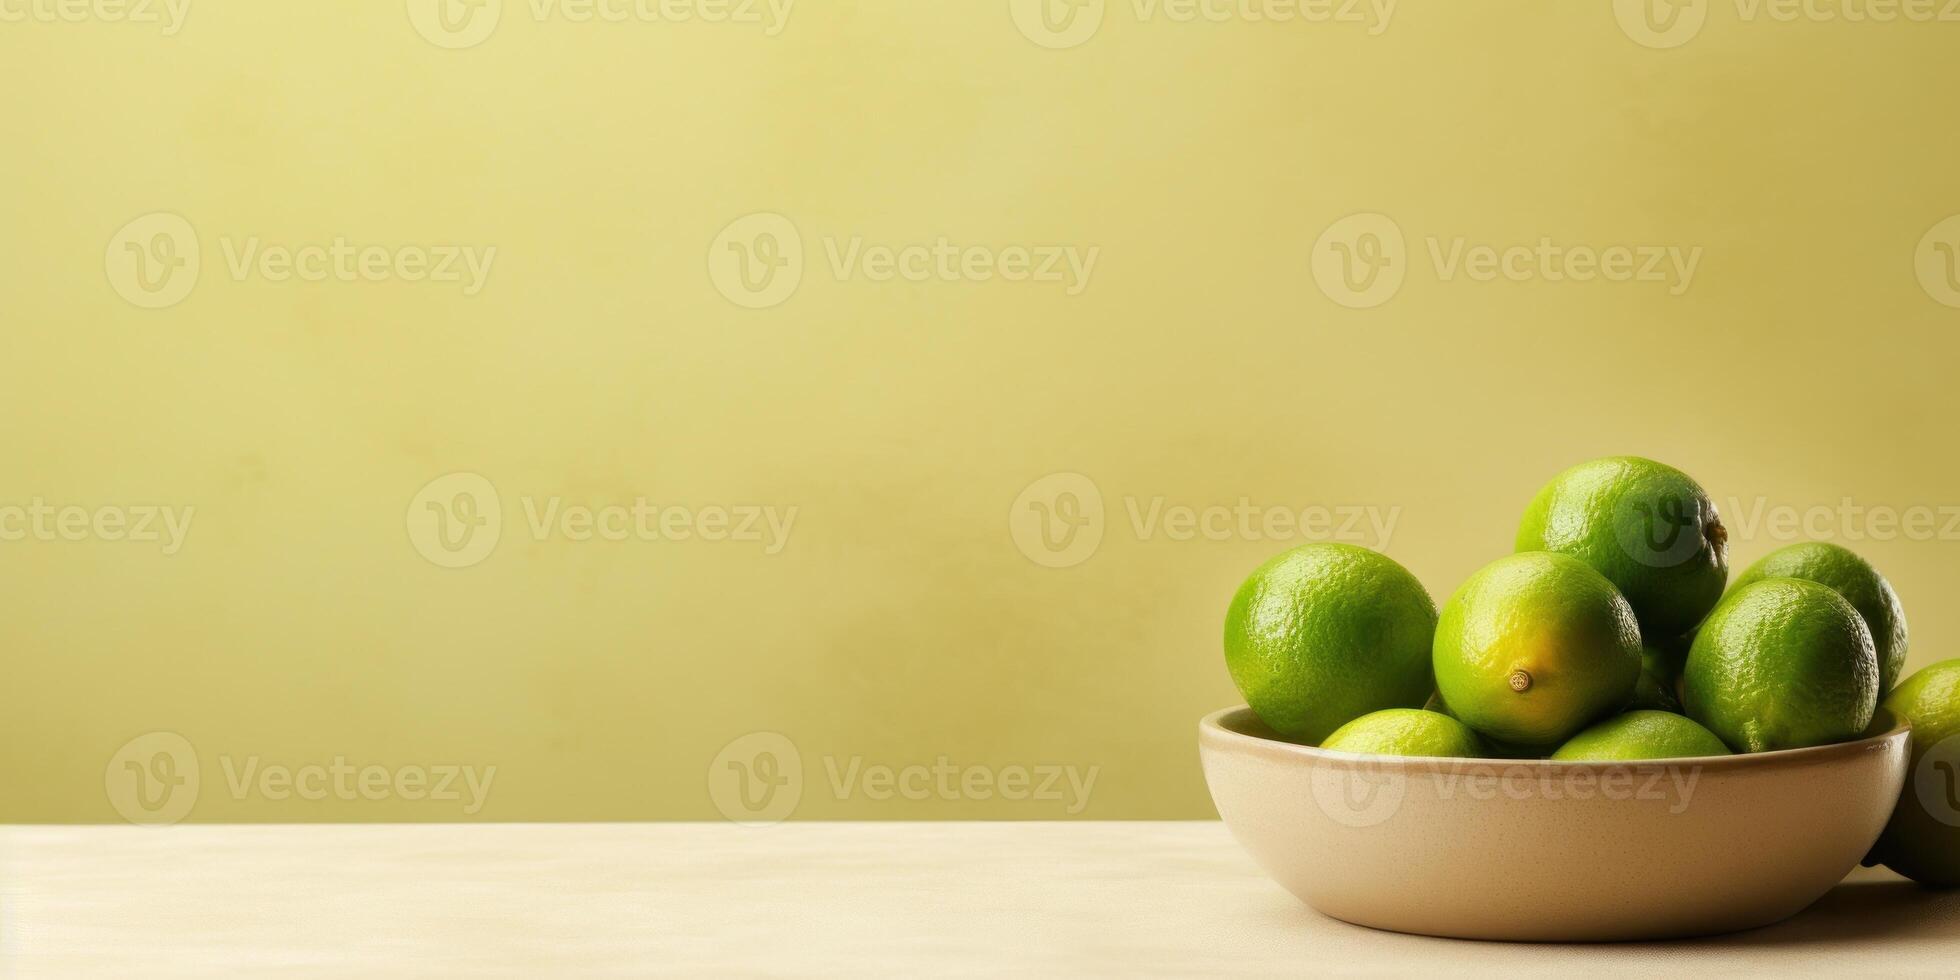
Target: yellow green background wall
pixel 1225 346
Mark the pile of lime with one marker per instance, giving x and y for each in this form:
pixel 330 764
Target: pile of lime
pixel 1611 634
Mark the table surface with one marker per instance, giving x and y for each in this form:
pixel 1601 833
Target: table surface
pixel 1118 899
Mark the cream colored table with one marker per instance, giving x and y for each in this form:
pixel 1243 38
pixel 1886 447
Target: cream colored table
pixel 1115 899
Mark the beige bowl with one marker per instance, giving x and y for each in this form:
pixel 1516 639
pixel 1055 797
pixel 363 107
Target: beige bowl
pixel 1552 851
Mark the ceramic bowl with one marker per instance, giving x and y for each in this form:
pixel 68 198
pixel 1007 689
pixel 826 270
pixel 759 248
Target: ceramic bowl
pixel 1552 851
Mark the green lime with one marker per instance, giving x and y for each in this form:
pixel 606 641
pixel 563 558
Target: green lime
pixel 1855 579
pixel 1660 676
pixel 1534 647
pixel 1326 633
pixel 1647 527
pixel 1923 840
pixel 1406 731
pixel 1642 735
pixel 1782 664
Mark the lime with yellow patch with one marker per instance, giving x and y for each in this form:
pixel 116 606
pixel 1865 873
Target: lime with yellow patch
pixel 1534 647
pixel 1782 664
pixel 1406 732
pixel 1639 735
pixel 1326 633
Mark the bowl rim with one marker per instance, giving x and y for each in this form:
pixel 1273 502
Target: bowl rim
pixel 1213 732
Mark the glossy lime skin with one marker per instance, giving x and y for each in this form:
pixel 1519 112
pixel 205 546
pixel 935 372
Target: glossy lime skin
pixel 1548 624
pixel 1326 633
pixel 1406 732
pixel 1782 664
pixel 1640 735
pixel 1858 582
pixel 1922 841
pixel 1648 527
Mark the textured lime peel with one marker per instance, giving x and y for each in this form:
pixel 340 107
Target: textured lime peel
pixel 1648 527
